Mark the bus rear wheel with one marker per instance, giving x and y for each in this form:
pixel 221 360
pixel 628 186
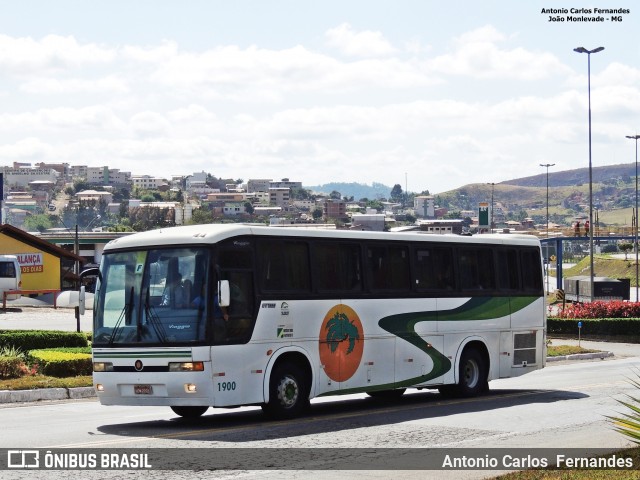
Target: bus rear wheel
pixel 472 376
pixel 288 392
pixel 189 412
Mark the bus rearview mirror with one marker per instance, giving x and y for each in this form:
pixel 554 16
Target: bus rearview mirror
pixel 224 293
pixel 81 300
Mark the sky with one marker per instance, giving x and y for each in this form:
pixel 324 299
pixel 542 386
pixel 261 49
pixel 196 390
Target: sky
pixel 431 95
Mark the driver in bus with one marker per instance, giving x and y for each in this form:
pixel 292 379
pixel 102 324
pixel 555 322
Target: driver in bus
pixel 173 295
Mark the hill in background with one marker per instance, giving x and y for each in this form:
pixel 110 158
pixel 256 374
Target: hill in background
pixel 576 177
pixel 375 191
pixel 613 195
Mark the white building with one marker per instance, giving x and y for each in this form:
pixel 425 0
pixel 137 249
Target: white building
pixel 279 196
pixel 285 183
pixel 88 195
pixel 258 185
pixel 78 171
pixel 424 206
pixel 148 182
pixel 368 221
pixel 232 209
pixel 107 176
pixel 22 176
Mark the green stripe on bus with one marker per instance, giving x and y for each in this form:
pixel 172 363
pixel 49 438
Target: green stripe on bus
pixel 141 354
pixel 477 308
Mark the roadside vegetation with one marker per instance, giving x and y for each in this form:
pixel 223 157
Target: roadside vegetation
pixel 560 350
pixel 44 359
pixel 581 474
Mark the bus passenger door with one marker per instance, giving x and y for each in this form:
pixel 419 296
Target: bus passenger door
pixel 237 374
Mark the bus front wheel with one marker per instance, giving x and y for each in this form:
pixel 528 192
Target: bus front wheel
pixel 288 392
pixel 189 412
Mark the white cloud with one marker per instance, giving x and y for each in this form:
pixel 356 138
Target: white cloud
pixel 25 55
pixel 29 148
pixel 72 120
pixel 52 85
pixel 477 54
pixel 149 124
pixel 358 44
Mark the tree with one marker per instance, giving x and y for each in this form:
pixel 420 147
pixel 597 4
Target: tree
pixel 148 218
pixel 335 195
pixel 316 214
pixel 376 205
pixel 626 247
pixel 248 207
pixel 38 223
pixel 396 193
pixel 202 216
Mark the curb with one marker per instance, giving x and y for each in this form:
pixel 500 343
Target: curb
pixel 581 356
pixel 40 394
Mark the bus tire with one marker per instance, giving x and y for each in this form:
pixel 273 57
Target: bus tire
pixel 387 394
pixel 472 376
pixel 189 412
pixel 288 392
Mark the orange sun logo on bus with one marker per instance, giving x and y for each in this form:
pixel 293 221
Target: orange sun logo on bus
pixel 341 343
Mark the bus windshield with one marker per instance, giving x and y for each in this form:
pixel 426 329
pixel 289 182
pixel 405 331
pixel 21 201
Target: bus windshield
pixel 152 297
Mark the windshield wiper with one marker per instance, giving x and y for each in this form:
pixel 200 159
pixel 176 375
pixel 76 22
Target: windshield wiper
pixel 154 321
pixel 125 314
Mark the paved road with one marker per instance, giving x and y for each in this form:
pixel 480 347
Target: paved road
pixel 563 405
pixel 43 318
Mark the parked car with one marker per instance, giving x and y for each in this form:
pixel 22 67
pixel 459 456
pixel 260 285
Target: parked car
pixel 10 276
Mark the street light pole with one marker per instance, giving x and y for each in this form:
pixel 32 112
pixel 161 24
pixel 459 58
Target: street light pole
pixel 547 165
pixel 546 257
pixel 589 52
pixel 635 232
pixel 491 221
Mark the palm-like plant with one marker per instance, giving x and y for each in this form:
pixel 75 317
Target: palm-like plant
pixel 629 423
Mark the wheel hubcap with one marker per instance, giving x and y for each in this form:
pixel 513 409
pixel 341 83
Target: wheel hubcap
pixel 471 373
pixel 288 391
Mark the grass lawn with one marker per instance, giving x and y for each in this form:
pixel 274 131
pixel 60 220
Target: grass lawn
pixel 32 382
pixel 560 350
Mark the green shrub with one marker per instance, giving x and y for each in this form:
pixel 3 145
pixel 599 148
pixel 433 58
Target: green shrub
pixel 11 351
pixel 595 326
pixel 62 362
pixel 26 340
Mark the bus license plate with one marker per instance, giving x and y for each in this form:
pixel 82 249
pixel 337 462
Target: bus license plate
pixel 142 389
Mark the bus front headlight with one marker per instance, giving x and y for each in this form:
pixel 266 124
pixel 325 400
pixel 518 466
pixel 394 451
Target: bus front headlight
pixel 102 367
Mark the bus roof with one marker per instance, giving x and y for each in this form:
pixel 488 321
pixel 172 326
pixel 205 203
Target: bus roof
pixel 214 233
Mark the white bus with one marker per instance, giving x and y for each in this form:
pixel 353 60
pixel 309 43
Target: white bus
pixel 305 313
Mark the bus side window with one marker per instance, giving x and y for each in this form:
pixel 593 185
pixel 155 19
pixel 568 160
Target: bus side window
pixel 508 270
pixel 531 270
pixel 434 269
pixel 284 266
pixel 388 268
pixel 336 267
pixel 477 270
